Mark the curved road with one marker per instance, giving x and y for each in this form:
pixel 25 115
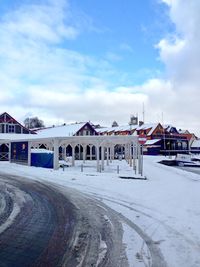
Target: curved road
pixel 46 225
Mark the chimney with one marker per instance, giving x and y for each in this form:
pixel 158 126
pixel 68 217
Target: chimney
pixel 133 120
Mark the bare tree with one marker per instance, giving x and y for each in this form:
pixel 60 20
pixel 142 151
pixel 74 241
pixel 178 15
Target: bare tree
pixel 33 122
pixel 114 124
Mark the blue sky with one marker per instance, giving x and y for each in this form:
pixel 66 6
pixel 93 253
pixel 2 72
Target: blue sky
pixel 123 33
pixel 126 34
pixel 72 60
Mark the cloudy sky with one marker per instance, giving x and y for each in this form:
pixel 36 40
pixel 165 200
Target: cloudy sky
pixel 72 60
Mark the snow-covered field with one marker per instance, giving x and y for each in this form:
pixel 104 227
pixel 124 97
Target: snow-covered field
pixel 166 206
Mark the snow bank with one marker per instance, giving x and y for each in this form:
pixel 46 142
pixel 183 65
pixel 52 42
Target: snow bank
pixel 165 206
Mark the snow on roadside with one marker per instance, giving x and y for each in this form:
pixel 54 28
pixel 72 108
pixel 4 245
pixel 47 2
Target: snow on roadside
pixel 102 251
pixel 137 251
pixel 165 206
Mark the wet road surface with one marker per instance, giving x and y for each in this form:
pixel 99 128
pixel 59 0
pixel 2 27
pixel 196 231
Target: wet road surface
pixel 42 224
pixel 36 223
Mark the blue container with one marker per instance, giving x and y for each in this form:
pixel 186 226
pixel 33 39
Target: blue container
pixel 44 160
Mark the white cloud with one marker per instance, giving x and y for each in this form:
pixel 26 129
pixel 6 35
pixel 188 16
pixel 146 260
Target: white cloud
pixel 40 76
pixel 181 55
pixel 40 22
pixel 180 52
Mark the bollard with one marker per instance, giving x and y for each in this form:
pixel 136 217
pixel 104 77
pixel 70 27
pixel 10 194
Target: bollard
pixel 63 166
pixel 99 168
pixel 118 169
pixel 135 169
pixel 81 167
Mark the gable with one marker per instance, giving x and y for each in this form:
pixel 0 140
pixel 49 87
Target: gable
pixel 158 129
pixel 5 117
pixel 86 129
pixel 173 130
pixel 10 125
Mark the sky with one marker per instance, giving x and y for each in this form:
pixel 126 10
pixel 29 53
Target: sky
pixel 100 61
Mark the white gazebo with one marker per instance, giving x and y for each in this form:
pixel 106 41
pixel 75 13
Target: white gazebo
pixel 104 147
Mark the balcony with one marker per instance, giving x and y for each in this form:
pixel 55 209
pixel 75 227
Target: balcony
pixel 169 137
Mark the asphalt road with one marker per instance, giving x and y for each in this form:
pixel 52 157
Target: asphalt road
pixel 36 223
pixel 45 225
pixel 194 170
pixel 190 169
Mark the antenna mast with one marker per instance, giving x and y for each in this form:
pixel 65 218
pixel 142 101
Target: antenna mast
pixel 143 112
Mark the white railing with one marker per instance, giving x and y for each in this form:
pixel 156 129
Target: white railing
pixel 4 156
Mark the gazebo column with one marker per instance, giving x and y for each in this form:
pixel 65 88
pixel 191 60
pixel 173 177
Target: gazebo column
pixel 110 154
pixel 134 156
pixel 29 153
pixel 107 155
pixel 9 151
pixel 84 153
pixel 73 155
pixel 130 155
pixel 113 152
pixel 126 152
pixel 55 154
pixel 102 157
pixel 97 157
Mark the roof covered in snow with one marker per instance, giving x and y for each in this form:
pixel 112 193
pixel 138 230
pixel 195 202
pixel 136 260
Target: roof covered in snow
pixel 63 130
pixel 14 136
pixel 148 126
pixel 151 126
pixel 183 131
pixel 151 142
pixel 196 143
pixel 57 131
pixel 117 129
pixel 168 126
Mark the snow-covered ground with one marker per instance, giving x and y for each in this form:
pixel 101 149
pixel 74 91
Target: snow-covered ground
pixel 166 206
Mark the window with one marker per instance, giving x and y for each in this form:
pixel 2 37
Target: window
pixel 11 128
pixel 184 145
pixel 86 132
pixel 179 145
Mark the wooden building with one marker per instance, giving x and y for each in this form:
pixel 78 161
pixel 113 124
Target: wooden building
pixel 9 126
pixel 160 139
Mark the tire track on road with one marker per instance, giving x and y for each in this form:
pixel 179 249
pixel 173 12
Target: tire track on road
pixel 56 226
